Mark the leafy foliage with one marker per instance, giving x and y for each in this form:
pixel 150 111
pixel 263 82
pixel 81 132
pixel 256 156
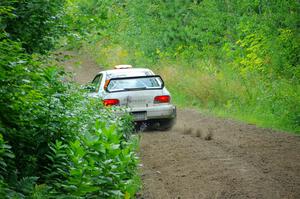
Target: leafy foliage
pixel 36 23
pixel 55 141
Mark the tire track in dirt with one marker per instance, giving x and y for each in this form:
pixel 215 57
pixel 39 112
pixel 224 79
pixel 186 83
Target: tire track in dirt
pixel 207 157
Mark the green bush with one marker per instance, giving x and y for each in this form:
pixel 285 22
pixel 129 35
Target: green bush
pixel 56 140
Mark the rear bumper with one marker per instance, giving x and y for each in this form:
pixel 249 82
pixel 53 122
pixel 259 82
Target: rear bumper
pixel 167 111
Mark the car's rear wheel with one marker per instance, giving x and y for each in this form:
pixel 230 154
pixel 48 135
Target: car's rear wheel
pixel 166 124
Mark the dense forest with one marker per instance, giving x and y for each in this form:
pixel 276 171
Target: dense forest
pixel 237 59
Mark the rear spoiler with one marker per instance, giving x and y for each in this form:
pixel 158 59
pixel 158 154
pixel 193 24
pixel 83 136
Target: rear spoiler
pixel 134 77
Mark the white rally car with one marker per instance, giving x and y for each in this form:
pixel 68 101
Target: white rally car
pixel 139 90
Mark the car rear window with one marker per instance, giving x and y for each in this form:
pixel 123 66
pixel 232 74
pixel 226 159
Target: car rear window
pixel 135 83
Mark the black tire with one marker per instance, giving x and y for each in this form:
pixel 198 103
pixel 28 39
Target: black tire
pixel 166 124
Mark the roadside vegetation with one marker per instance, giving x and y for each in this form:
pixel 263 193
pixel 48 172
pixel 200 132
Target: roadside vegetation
pixel 237 59
pixel 55 142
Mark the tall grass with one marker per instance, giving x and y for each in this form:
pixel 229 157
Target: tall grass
pixel 272 104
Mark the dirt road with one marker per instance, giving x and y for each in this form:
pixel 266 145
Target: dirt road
pixel 207 157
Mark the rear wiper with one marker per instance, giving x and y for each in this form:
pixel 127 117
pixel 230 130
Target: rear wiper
pixel 132 89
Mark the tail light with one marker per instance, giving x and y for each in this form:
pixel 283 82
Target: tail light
pixel 111 102
pixel 162 99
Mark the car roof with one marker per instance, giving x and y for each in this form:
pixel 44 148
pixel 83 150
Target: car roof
pixel 130 72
